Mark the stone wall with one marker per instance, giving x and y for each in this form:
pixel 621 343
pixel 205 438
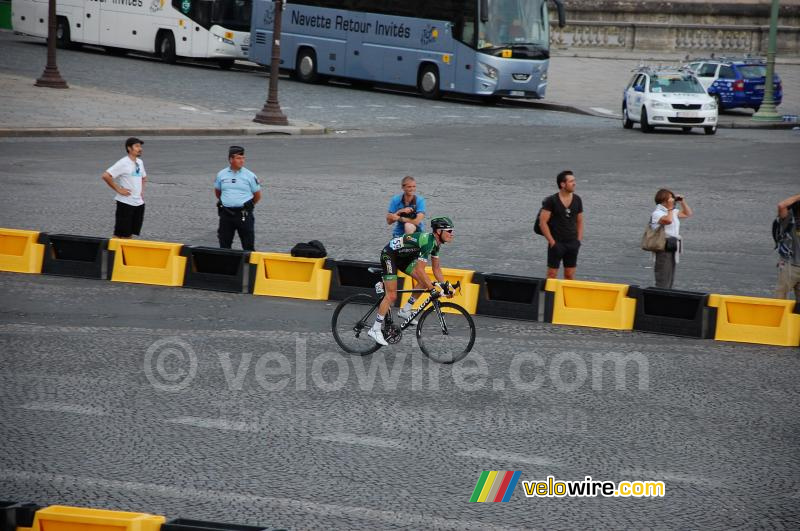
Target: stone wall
pixel 686 26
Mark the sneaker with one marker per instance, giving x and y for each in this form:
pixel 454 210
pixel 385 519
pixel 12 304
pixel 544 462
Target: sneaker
pixel 377 335
pixel 403 315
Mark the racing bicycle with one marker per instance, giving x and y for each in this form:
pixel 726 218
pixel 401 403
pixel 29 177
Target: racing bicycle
pixel 445 331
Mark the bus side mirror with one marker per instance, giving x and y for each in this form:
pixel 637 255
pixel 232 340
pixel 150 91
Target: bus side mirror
pixel 484 10
pixel 562 17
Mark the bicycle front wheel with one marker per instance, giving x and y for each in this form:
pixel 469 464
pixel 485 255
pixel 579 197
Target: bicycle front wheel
pixel 351 321
pixel 446 336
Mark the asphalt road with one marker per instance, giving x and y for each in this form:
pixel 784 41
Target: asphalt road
pixel 101 407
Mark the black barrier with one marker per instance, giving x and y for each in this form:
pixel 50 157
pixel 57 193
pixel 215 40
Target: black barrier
pixel 13 515
pixel 184 524
pixel 73 256
pixel 673 312
pixel 216 269
pixel 509 296
pixel 349 277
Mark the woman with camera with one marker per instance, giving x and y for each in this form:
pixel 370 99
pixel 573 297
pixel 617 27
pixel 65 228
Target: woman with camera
pixel 669 216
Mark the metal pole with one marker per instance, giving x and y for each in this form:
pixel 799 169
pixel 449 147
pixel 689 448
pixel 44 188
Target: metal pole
pixel 51 77
pixel 767 112
pixel 271 113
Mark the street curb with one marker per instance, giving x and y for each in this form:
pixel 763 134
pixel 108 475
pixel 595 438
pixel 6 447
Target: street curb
pixel 306 129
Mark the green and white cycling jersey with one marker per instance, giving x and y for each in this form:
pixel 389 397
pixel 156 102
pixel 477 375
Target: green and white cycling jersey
pixel 402 253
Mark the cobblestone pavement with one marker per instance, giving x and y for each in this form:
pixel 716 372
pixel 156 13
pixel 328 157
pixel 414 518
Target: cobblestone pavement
pixel 146 93
pixel 276 427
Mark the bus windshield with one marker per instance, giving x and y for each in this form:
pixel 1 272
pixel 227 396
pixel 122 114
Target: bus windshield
pixel 232 14
pixel 513 22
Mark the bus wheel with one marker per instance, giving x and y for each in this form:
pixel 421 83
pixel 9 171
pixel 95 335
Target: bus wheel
pixel 306 68
pixel 225 64
pixel 165 46
pixel 428 82
pixel 62 33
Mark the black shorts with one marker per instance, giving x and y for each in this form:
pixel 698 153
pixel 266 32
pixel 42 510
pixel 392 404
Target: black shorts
pixel 566 251
pixel 391 264
pixel 128 220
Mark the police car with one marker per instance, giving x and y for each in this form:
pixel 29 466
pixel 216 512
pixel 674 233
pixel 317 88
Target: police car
pixel 736 82
pixel 668 98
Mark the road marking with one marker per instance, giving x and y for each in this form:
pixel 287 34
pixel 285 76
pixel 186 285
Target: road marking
pixel 216 424
pixel 249 109
pixel 452 116
pixel 408 106
pixel 601 110
pixel 364 440
pixel 479 453
pixel 412 520
pixel 387 118
pixel 313 107
pixel 188 109
pixel 60 407
pixel 375 106
pixel 344 106
pixel 220 110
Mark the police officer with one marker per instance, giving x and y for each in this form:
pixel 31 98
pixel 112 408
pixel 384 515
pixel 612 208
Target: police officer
pixel 237 190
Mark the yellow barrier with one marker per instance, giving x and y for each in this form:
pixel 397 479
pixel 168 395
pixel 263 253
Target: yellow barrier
pixel 595 304
pixel 63 518
pixel 467 297
pixel 283 275
pixel 756 320
pixel 146 262
pixel 20 252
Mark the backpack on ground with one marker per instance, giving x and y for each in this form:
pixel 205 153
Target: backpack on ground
pixel 312 249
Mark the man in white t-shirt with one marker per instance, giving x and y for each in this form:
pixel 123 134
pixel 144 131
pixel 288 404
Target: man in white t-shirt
pixel 127 177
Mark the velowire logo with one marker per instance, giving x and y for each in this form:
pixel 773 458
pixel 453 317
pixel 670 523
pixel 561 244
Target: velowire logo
pixel 495 486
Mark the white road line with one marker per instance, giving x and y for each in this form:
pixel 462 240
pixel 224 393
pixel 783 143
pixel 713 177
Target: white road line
pixel 248 109
pixel 387 118
pixel 408 106
pixel 216 424
pixel 345 106
pixel 375 106
pixel 188 109
pixel 313 106
pixel 220 110
pixel 601 110
pixel 61 407
pixel 479 453
pixel 364 440
pixel 413 520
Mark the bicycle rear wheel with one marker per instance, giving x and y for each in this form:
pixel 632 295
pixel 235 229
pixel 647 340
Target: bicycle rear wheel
pixel 351 321
pixel 446 337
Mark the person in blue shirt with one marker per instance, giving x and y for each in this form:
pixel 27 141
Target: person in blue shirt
pixel 237 190
pixel 406 210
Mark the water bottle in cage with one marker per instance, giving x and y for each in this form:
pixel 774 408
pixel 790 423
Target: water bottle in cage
pixel 379 288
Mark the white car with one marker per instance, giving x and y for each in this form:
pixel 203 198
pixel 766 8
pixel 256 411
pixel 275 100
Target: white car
pixel 668 98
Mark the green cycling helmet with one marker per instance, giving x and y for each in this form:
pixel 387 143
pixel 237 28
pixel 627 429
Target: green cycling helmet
pixel 442 223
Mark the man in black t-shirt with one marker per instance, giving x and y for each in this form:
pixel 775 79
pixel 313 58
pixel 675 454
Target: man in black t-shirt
pixel 561 221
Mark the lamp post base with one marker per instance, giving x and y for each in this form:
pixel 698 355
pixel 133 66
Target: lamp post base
pixel 271 114
pixel 767 113
pixel 51 78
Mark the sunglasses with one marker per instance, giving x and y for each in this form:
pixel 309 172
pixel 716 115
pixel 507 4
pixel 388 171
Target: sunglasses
pixel 568 211
pixel 449 231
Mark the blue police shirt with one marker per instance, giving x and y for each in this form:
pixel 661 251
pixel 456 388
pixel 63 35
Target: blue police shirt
pixel 237 187
pixel 396 204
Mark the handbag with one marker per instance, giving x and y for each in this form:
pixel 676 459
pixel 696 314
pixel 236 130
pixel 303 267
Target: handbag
pixel 654 240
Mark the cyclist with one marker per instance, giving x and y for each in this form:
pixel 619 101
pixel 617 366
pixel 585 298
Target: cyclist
pixel 410 253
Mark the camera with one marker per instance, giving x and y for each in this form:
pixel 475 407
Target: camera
pixel 409 215
pixel 678 198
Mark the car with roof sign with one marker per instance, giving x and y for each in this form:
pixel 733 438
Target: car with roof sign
pixel 668 98
pixel 736 82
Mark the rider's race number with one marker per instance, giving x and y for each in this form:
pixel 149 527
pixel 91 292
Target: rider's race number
pixel 395 244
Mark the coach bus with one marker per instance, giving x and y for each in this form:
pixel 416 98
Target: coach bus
pixel 489 48
pixel 218 30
